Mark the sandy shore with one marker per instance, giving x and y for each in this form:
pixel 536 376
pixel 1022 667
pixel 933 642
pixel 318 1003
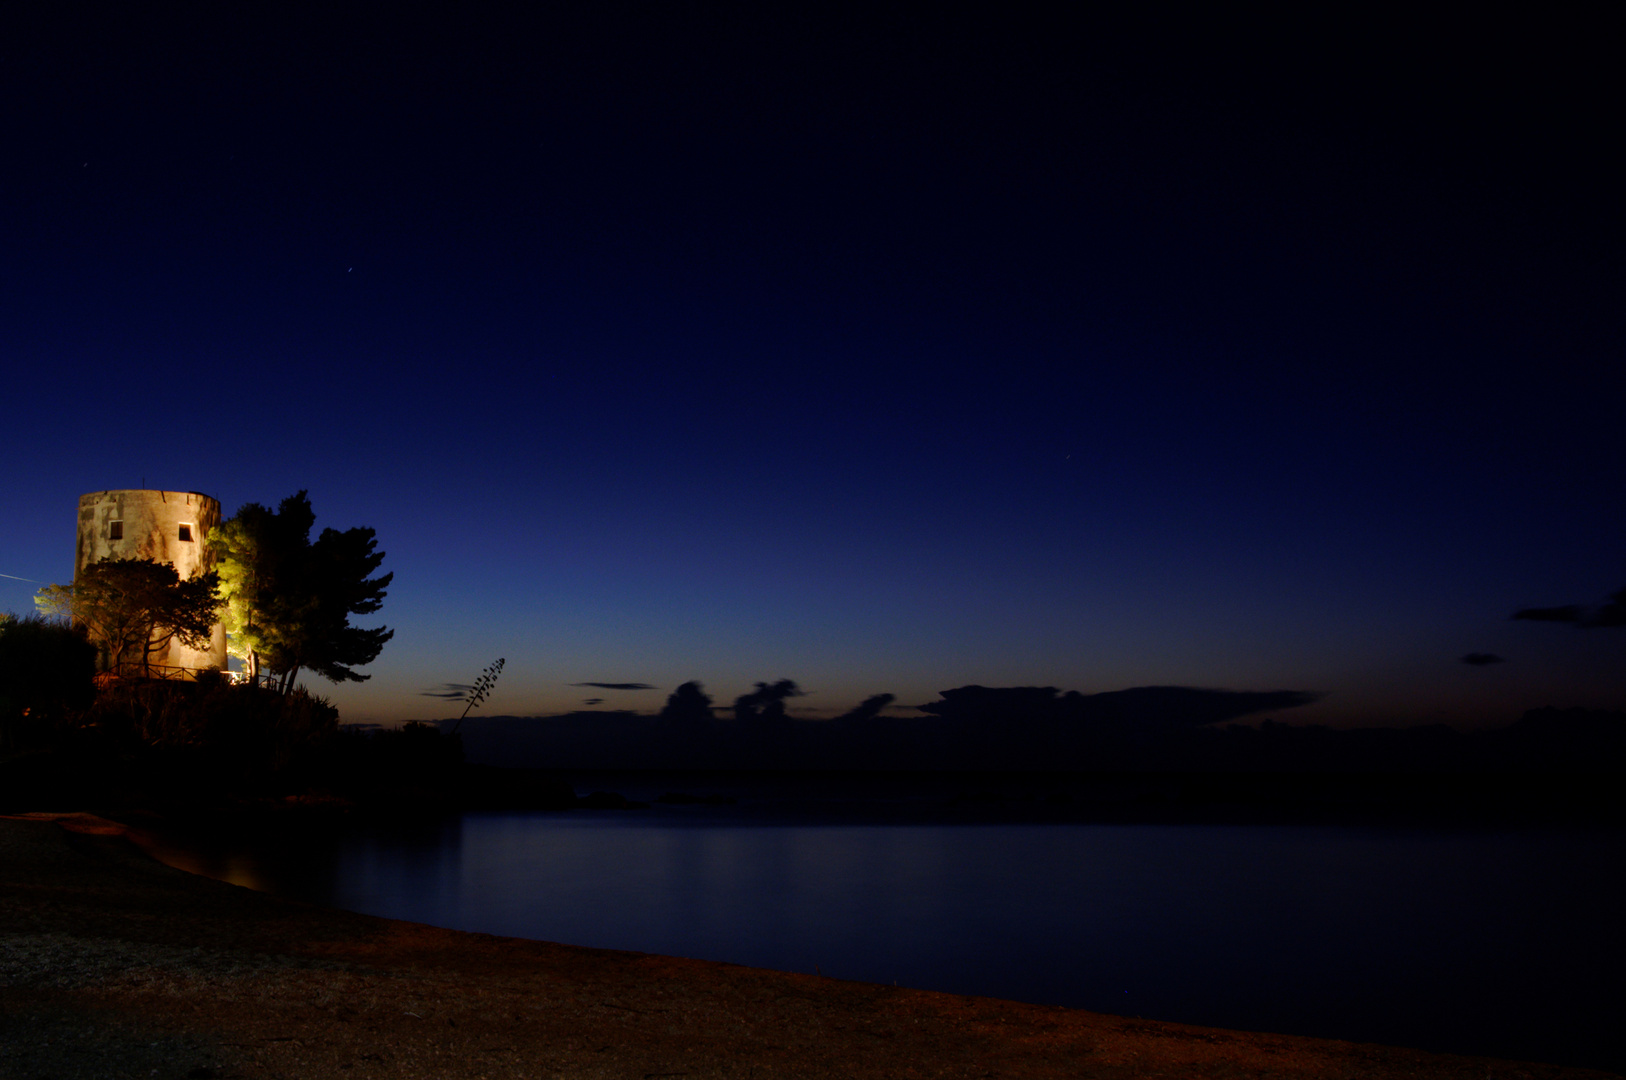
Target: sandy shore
pixel 114 965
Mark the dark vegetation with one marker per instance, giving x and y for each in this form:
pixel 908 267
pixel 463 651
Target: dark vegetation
pixel 1026 728
pixel 131 609
pixel 178 747
pixel 1149 753
pixel 287 600
pixel 88 720
pixel 47 674
pixel 1153 752
pixel 284 601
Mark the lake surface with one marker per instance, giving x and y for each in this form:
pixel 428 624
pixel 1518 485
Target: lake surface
pixel 1503 942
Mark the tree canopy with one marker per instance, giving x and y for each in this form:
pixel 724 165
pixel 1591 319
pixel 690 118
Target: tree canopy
pixel 254 550
pixel 288 601
pixel 767 701
pixel 689 704
pixel 132 608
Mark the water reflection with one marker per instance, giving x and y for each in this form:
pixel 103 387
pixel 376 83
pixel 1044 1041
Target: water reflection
pixel 1503 943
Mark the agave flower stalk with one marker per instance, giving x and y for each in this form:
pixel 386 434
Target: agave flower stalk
pixel 480 690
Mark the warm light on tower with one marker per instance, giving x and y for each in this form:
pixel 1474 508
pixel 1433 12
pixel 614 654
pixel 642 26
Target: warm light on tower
pixel 165 526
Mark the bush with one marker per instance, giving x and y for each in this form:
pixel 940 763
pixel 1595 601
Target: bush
pixel 243 731
pixel 416 761
pixel 47 673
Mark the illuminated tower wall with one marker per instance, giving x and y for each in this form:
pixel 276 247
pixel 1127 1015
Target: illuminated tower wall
pixel 166 526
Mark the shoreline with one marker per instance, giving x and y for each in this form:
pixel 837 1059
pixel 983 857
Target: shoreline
pixel 114 962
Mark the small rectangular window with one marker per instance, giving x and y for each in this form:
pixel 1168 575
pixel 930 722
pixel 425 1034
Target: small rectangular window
pixel 186 533
pixel 115 530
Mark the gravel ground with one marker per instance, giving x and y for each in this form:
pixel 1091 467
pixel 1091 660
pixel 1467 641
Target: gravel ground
pixel 113 965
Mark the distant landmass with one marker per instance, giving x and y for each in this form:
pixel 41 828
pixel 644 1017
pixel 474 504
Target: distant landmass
pixel 976 728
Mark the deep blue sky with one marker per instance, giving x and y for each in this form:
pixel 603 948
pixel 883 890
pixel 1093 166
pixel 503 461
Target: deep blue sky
pixel 884 355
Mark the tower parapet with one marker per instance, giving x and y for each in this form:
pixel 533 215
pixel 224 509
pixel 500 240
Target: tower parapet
pixel 165 526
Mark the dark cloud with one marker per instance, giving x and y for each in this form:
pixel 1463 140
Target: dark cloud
pixel 1569 613
pixel 616 685
pixel 451 691
pixel 1481 659
pixel 1612 612
pixel 593 701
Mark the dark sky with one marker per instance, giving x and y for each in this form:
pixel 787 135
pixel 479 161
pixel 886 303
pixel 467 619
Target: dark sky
pixel 887 354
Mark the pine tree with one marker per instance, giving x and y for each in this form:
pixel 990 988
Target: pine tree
pixel 289 601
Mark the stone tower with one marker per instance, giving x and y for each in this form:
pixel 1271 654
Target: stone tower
pixel 166 526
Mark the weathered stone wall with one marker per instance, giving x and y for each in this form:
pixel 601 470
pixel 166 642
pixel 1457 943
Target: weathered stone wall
pixel 168 526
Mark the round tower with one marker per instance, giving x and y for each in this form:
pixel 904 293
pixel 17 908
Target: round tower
pixel 165 526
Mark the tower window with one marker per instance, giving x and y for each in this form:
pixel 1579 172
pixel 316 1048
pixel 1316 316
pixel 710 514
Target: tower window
pixel 186 533
pixel 115 530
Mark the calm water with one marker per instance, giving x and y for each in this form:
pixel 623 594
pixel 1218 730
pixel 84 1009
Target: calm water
pixel 1506 943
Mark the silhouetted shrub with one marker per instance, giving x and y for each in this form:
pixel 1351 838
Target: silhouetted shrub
pixel 767 701
pixel 1583 739
pixel 247 731
pixel 413 763
pixel 46 675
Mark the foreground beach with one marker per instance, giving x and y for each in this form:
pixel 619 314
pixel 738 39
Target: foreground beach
pixel 112 964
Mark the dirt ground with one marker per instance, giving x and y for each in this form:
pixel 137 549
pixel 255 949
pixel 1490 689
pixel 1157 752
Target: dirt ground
pixel 114 965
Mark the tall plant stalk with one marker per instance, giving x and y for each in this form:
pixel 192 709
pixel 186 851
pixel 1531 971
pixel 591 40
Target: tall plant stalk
pixel 481 688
